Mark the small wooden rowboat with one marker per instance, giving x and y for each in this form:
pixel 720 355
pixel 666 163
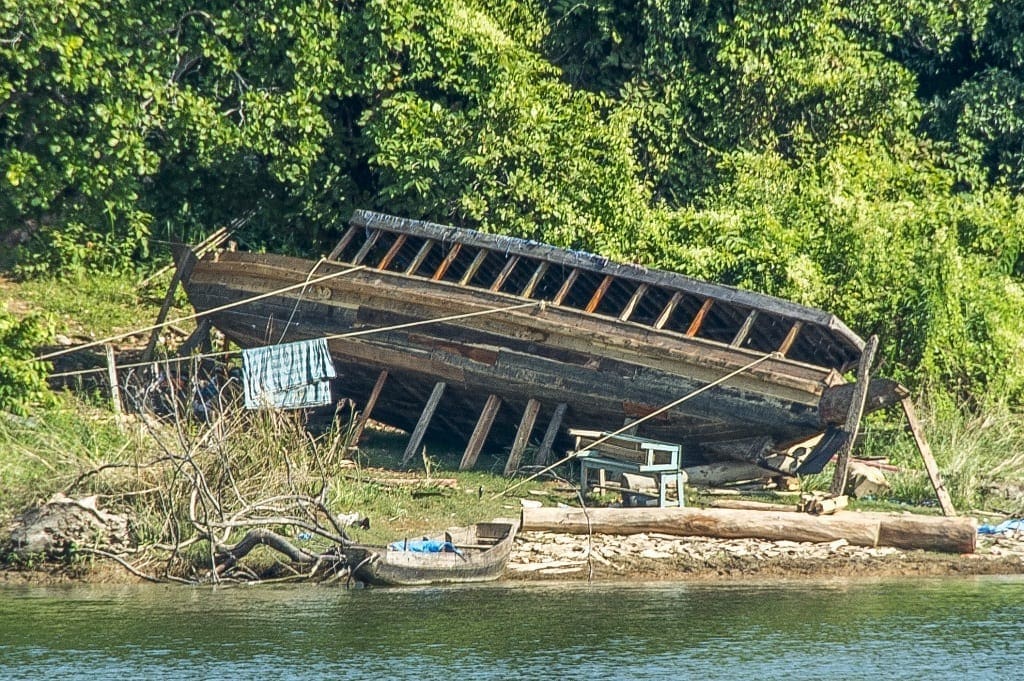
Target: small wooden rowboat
pixel 477 553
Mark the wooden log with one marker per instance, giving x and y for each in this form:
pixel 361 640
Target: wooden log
pixel 906 531
pixel 931 533
pixel 712 475
pixel 745 505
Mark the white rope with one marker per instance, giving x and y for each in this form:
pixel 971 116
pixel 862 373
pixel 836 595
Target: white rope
pixel 634 424
pixel 197 315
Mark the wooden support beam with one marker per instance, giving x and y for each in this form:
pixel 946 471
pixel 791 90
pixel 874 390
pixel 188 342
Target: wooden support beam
pixel 744 331
pixel 522 436
pixel 602 289
pixel 544 452
pixel 698 319
pixel 364 250
pixel 566 286
pixel 471 271
pixel 538 274
pixel 852 425
pixel 479 436
pixel 182 271
pixel 787 342
pixel 945 502
pixel 505 273
pixel 343 243
pixel 420 256
pixel 371 402
pixel 421 426
pixel 447 262
pixel 392 252
pixel 638 295
pixel 666 312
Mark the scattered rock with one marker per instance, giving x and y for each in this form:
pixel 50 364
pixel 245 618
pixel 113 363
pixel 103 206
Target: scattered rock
pixel 62 523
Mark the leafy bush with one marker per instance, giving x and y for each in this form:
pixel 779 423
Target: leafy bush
pixel 22 379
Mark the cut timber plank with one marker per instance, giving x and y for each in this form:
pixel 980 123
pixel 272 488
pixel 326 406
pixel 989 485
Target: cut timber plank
pixel 478 260
pixel 421 425
pixel 544 452
pixel 392 252
pixel 182 271
pixel 505 273
pixel 790 338
pixel 744 331
pixel 852 425
pixel 566 286
pixel 698 319
pixel 667 311
pixel 447 262
pixel 638 295
pixel 371 402
pixel 602 288
pixel 343 243
pixel 421 255
pixel 538 274
pixel 929 460
pixel 483 427
pixel 366 247
pixel 522 436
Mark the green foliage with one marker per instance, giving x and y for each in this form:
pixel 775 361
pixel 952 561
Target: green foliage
pixel 862 158
pixel 22 379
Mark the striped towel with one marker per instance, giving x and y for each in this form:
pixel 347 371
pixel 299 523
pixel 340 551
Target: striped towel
pixel 288 376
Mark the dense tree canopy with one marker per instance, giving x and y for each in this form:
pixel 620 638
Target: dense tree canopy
pixel 864 157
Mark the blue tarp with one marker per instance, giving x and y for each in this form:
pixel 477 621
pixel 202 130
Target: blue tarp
pixel 289 375
pixel 1012 525
pixel 424 546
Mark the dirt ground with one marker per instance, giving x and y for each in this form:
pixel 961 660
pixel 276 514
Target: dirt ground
pixel 542 556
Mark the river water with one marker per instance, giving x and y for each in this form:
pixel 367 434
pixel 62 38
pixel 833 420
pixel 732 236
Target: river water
pixel 911 629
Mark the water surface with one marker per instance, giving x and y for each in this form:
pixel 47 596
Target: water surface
pixel 950 628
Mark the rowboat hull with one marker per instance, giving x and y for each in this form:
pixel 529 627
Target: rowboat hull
pixel 484 549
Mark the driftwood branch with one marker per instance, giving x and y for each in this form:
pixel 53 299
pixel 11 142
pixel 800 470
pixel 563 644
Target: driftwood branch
pixel 227 556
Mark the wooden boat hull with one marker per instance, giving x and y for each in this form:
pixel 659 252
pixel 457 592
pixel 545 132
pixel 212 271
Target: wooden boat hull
pixel 382 566
pixel 606 366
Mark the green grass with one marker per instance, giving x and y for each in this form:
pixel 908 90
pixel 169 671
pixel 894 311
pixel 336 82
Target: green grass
pixel 93 306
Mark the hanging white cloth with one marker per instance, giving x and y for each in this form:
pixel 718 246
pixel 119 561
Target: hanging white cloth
pixel 289 375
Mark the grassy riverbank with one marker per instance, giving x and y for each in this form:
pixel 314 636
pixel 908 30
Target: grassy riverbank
pixel 176 475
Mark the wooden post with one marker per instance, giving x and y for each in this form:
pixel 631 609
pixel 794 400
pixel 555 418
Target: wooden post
pixel 852 425
pixel 522 436
pixel 544 452
pixel 182 271
pixel 370 404
pixel 115 389
pixel 483 427
pixel 421 425
pixel 929 460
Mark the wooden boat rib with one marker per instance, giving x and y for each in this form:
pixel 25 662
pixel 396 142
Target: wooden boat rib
pixel 483 552
pixel 609 341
